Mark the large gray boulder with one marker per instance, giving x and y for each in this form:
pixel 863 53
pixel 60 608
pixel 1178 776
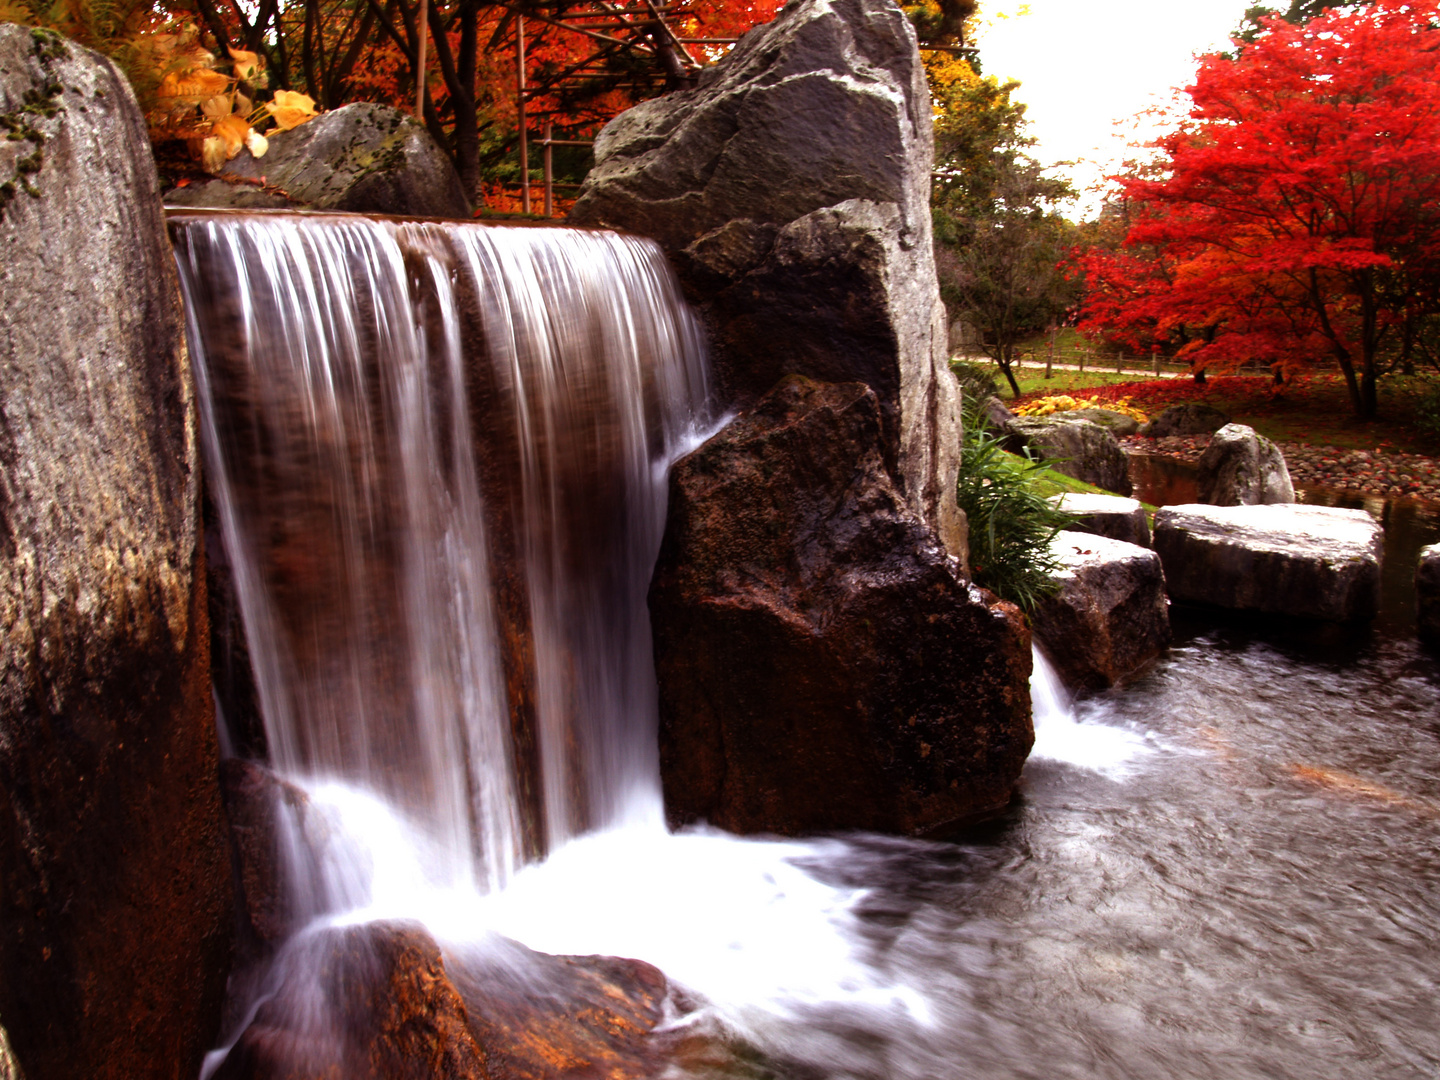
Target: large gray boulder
pixel 115 894
pixel 363 157
pixel 1427 592
pixel 1083 449
pixel 1242 468
pixel 822 665
pixel 1107 515
pixel 791 189
pixel 1288 559
pixel 1118 423
pixel 1110 617
pixel 1188 418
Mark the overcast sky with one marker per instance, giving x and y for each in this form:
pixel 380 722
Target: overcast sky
pixel 1083 67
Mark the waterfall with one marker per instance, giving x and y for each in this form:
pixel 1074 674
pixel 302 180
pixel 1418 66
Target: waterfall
pixel 436 452
pixel 1082 740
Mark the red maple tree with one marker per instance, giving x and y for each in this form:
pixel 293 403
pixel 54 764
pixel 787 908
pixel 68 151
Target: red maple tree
pixel 1297 212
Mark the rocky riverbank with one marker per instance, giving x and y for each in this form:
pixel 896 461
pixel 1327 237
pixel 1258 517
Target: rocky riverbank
pixel 1371 472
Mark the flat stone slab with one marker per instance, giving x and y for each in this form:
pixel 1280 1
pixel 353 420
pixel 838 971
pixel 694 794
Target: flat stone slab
pixel 1107 515
pixel 1427 592
pixel 1111 617
pixel 1315 562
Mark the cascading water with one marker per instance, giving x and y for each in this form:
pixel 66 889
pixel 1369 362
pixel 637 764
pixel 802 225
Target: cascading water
pixel 437 456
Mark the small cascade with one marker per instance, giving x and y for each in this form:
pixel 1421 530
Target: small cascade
pixel 1061 735
pixel 437 453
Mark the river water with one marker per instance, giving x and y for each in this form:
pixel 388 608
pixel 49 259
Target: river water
pixel 1229 868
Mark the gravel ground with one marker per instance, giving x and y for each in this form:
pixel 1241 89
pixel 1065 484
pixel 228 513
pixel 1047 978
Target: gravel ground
pixel 1374 472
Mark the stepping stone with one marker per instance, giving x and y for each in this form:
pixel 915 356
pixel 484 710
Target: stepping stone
pixel 1316 562
pixel 1111 617
pixel 1107 515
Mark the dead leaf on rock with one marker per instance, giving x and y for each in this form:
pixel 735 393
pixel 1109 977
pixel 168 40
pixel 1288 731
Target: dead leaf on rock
pixel 290 109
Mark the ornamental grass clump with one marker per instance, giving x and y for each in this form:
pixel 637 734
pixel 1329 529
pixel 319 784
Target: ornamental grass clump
pixel 1011 523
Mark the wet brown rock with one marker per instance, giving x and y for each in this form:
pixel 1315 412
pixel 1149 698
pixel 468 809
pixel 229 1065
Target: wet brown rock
pixel 115 891
pixel 262 808
pixel 542 1017
pixel 370 1002
pixel 1110 617
pixel 380 1002
pixel 791 189
pixel 821 663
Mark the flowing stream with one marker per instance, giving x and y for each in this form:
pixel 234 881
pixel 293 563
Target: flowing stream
pixel 438 456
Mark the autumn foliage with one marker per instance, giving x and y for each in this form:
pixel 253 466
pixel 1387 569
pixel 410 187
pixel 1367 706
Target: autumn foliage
pixel 1294 216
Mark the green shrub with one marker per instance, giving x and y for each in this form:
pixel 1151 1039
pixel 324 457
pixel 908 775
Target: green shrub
pixel 1011 522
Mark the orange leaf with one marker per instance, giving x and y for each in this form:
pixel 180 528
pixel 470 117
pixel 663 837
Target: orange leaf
pixel 290 109
pixel 247 64
pixel 233 130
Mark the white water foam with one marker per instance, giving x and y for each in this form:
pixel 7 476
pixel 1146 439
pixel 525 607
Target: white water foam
pixel 1086 744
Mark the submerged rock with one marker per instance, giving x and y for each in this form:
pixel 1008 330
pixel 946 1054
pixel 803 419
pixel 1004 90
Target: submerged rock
pixel 1427 592
pixel 791 189
pixel 1286 559
pixel 1082 449
pixel 368 1002
pixel 1110 618
pixel 1189 418
pixel 362 157
pixel 542 1017
pixel 115 890
pixel 1242 468
pixel 378 1001
pixel 1106 515
pixel 821 663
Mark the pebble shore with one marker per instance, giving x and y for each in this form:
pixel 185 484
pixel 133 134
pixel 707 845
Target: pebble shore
pixel 1371 472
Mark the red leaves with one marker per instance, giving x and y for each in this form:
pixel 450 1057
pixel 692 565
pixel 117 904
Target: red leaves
pixel 1299 203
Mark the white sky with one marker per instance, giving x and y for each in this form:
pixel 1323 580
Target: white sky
pixel 1089 69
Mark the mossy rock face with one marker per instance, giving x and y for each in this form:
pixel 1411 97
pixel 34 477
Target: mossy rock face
pixel 1083 448
pixel 1118 423
pixel 364 157
pixel 115 894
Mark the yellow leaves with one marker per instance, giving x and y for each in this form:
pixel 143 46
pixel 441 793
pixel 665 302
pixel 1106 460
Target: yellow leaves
pixel 247 64
pixel 212 154
pixel 218 106
pixel 233 129
pixel 290 109
pixel 1047 406
pixel 228 134
pixel 193 83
